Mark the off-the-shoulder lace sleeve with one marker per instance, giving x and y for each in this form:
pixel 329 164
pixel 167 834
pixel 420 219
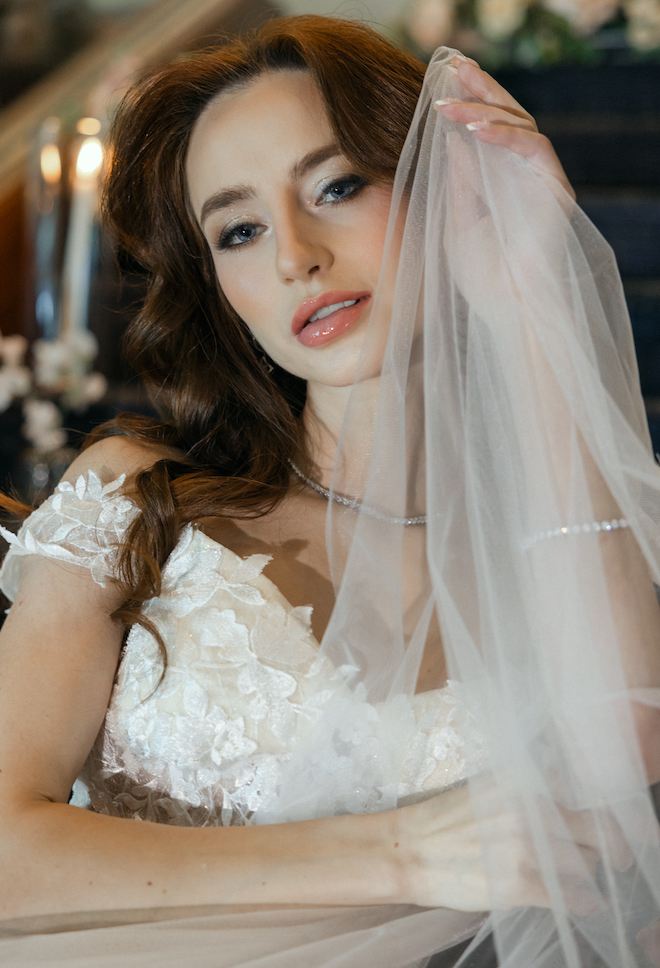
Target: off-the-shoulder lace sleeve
pixel 80 524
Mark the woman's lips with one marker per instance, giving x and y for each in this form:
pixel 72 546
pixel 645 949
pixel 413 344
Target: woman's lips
pixel 328 327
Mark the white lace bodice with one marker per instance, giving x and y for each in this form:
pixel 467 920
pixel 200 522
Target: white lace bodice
pixel 244 683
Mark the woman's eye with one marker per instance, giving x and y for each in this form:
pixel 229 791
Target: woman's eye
pixel 238 235
pixel 341 188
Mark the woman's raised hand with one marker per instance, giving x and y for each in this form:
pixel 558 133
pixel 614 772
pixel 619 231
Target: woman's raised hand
pixel 498 119
pixel 504 222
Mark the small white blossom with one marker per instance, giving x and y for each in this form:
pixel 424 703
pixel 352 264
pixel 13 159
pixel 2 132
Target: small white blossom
pixel 584 16
pixel 83 346
pixel 58 362
pixel 643 30
pixel 431 22
pixel 15 381
pixel 498 19
pixel 13 350
pixel 50 357
pixel 96 387
pixel 5 392
pixel 43 425
pixel 86 390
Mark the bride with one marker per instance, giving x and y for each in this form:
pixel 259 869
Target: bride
pixel 363 624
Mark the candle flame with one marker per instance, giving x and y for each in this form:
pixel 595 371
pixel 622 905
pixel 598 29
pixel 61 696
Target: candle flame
pixel 89 126
pixel 51 166
pixel 90 158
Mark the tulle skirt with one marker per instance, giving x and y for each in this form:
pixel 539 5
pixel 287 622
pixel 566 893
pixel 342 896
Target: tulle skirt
pixel 392 936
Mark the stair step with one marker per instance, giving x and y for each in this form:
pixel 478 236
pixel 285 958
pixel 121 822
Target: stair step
pixel 601 89
pixel 602 150
pixel 630 221
pixel 643 298
pixel 603 119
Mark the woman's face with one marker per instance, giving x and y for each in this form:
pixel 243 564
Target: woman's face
pixel 293 229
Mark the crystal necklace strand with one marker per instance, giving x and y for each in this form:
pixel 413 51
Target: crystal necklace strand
pixel 352 503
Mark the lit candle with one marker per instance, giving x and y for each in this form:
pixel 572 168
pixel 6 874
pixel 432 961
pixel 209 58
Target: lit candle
pixel 47 199
pixel 78 252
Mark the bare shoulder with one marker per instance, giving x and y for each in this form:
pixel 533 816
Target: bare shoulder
pixel 114 456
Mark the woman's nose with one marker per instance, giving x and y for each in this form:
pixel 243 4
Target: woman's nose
pixel 301 249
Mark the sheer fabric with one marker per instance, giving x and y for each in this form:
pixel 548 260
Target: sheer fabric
pixel 79 525
pixel 497 394
pixel 508 410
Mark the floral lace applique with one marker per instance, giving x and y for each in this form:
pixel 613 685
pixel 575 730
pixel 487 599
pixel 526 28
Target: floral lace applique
pixel 218 736
pixel 80 524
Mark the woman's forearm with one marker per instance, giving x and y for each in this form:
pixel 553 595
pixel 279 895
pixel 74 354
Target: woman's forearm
pixel 59 858
pixel 58 655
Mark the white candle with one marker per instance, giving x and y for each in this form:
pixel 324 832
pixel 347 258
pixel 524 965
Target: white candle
pixel 46 196
pixel 80 234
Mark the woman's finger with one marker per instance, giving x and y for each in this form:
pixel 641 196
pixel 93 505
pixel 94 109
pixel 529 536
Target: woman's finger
pixel 482 85
pixel 467 112
pixel 530 145
pixel 500 120
pixel 649 939
pixel 600 831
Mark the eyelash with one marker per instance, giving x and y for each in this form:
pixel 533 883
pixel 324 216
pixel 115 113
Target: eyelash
pixel 355 182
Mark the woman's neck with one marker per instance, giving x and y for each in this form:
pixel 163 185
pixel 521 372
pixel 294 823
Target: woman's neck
pixel 323 418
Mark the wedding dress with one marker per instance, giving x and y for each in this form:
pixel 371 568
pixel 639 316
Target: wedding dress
pixel 497 397
pixel 207 743
pixel 244 680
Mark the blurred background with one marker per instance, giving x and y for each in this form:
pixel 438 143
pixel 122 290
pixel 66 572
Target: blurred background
pixel 588 70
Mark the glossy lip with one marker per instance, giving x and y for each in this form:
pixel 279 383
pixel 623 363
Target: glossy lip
pixel 324 330
pixel 308 307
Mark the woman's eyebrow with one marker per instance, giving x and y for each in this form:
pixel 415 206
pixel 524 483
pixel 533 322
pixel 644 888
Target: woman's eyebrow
pixel 312 159
pixel 224 198
pixel 240 193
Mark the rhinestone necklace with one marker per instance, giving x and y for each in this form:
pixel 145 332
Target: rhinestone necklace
pixel 352 503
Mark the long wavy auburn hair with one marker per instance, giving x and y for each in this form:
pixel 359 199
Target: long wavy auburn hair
pixel 235 424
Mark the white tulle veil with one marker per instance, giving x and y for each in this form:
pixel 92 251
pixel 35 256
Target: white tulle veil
pixel 497 395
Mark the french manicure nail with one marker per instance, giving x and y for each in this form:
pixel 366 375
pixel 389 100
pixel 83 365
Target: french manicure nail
pixel 447 100
pixel 477 125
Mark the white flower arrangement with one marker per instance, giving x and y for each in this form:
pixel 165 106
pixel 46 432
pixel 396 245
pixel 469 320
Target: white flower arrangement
pixel 15 378
pixel 643 23
pixel 61 380
pixel 480 26
pixel 43 424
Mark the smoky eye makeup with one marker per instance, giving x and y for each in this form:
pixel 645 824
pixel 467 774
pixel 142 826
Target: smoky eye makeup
pixel 238 235
pixel 333 190
pixel 339 188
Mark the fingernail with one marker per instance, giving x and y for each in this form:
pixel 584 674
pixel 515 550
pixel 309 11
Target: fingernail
pixel 447 100
pixel 477 125
pixel 462 57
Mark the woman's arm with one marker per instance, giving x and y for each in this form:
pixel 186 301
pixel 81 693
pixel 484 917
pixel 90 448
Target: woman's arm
pixel 58 654
pixel 59 650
